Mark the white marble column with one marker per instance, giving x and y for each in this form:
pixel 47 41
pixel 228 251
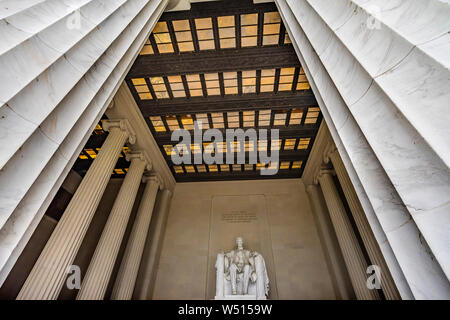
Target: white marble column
pixel 335 261
pixel 126 278
pixel 373 250
pixel 374 67
pixel 61 63
pixel 97 276
pixel 153 247
pixel 47 277
pixel 353 255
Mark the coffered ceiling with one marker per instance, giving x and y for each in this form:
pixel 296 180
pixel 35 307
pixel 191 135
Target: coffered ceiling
pixel 229 64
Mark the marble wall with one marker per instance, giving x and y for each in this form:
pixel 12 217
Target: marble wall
pixel 299 266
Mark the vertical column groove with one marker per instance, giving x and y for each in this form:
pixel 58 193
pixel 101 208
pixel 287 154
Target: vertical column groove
pixel 126 278
pixel 97 276
pixel 353 256
pixel 373 250
pixel 47 276
pixel 335 261
pixel 154 241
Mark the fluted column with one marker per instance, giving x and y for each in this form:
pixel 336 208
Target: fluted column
pixel 373 250
pixel 95 281
pixel 353 255
pixel 368 79
pixel 51 98
pixel 47 277
pixel 126 278
pixel 154 241
pixel 336 261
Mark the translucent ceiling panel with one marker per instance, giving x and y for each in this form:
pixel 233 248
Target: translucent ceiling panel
pixel 249 30
pixel 227 32
pixel 183 35
pixel 271 30
pixel 162 38
pixel 205 33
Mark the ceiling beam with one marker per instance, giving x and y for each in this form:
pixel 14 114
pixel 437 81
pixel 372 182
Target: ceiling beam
pixel 244 175
pixel 270 57
pixel 274 101
pixel 219 8
pixel 292 155
pixel 307 131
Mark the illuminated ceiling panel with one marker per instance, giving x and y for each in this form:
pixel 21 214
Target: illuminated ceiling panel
pixel 229 65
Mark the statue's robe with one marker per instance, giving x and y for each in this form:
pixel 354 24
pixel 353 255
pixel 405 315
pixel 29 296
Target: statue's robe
pixel 240 258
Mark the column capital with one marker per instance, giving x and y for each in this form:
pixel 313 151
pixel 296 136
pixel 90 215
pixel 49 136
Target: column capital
pixel 154 177
pixel 140 155
pixel 322 172
pixel 315 175
pixel 122 124
pixel 329 150
pixel 327 171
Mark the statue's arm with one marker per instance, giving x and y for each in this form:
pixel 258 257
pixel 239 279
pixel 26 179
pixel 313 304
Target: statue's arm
pixel 226 262
pixel 251 261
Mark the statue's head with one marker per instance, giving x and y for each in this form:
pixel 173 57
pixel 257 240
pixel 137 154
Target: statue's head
pixel 239 242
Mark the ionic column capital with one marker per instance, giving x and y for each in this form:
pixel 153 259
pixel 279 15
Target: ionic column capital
pixel 122 124
pixel 315 175
pixel 322 172
pixel 154 177
pixel 140 155
pixel 329 150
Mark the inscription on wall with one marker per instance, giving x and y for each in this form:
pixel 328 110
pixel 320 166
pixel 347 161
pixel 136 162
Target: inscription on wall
pixel 239 217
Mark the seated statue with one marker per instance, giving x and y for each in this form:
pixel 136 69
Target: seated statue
pixel 241 272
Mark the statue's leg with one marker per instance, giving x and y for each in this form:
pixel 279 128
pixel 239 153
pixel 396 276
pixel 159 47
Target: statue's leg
pixel 233 274
pixel 246 278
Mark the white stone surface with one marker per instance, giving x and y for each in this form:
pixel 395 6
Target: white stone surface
pixel 96 279
pixel 404 140
pixel 56 84
pixel 351 251
pixel 47 276
pixel 335 261
pixel 387 284
pixel 379 164
pixel 153 245
pixel 129 267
